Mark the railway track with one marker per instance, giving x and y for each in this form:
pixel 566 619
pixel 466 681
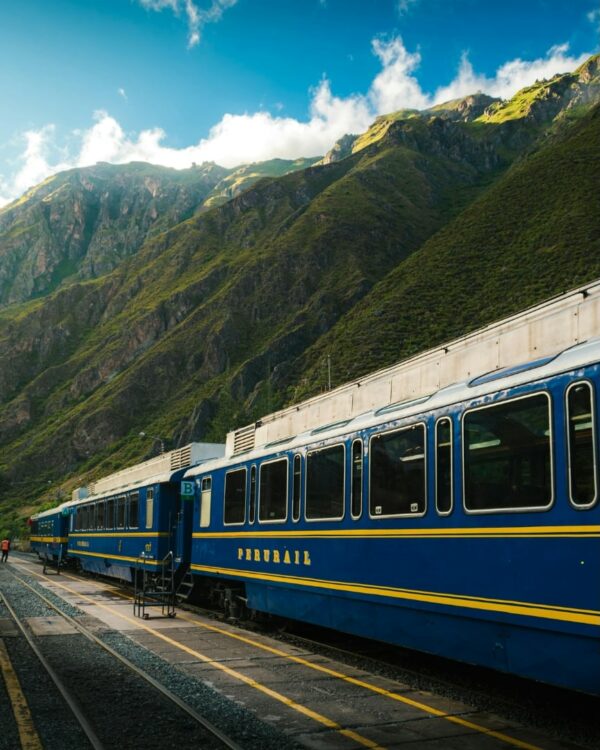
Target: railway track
pixel 111 709
pixel 299 676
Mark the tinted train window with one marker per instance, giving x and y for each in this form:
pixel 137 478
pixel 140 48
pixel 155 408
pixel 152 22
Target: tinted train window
pixel 297 487
pixel 252 508
pixel 357 476
pixel 273 491
pixel 507 455
pixel 149 507
pixel 443 466
pixel 325 483
pixel 109 521
pixel 133 510
pixel 397 472
pixel 100 516
pixel 582 459
pixel 120 512
pixel 235 496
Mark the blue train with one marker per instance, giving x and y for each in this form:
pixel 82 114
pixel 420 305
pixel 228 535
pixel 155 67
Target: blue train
pixel 464 523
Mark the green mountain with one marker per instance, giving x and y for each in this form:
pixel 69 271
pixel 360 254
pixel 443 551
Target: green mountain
pixel 243 177
pixel 534 233
pixel 432 228
pixel 81 224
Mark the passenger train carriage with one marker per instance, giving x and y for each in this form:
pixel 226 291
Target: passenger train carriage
pixel 464 524
pixel 448 504
pixel 49 534
pixel 131 519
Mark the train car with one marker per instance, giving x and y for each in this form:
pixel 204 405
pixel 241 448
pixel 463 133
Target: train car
pixel 464 522
pixel 49 532
pixel 137 518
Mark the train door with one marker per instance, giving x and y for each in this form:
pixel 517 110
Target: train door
pixel 183 525
pixel 205 502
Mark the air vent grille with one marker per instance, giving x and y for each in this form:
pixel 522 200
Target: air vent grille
pixel 181 458
pixel 243 439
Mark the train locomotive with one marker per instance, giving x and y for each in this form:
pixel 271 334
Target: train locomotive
pixel 461 520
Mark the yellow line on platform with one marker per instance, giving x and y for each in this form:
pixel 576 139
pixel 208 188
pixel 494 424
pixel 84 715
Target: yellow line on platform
pixel 512 741
pixel 329 723
pixel 27 732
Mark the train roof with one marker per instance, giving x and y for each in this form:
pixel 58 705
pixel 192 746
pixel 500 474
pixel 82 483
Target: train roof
pixel 51 511
pixel 480 385
pixel 163 468
pixel 541 331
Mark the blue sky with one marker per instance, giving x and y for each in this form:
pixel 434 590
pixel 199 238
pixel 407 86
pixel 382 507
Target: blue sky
pixel 177 81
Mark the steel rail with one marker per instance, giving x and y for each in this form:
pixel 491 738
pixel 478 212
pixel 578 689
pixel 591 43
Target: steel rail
pixel 62 689
pixel 211 728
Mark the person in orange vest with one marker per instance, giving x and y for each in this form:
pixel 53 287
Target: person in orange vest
pixel 5 547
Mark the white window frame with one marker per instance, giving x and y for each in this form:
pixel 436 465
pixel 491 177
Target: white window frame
pixel 581 506
pixel 403 428
pixel 203 521
pixel 344 472
pixel 150 503
pixel 287 490
pixel 530 509
pixel 294 519
pixel 435 464
pixel 254 520
pixel 133 493
pixel 233 471
pixel 362 477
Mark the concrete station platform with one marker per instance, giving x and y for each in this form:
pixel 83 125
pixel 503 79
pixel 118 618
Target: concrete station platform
pixel 317 702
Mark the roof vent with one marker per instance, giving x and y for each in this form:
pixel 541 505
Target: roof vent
pixel 181 458
pixel 243 439
pixel 505 372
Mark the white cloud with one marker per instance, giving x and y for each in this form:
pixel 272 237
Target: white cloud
pixel 122 93
pixel 244 138
pixel 394 87
pixel 403 6
pixel 594 17
pixel 35 164
pixel 511 76
pixel 196 17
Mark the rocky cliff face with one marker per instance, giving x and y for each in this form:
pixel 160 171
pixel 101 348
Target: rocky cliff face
pixel 465 109
pixel 204 324
pixel 83 223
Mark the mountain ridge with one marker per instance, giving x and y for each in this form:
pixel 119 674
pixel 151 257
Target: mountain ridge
pixel 229 313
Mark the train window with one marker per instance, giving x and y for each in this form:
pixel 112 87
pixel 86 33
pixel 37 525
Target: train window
pixel 92 517
pixel 78 525
pixel 325 483
pixel 205 500
pixel 149 507
pixel 443 466
pixel 134 501
pixel 582 458
pixel 100 515
pixel 357 478
pixel 235 496
pixel 252 511
pixel 397 473
pixel 507 455
pixel 109 521
pixel 297 487
pixel 273 491
pixel 120 524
